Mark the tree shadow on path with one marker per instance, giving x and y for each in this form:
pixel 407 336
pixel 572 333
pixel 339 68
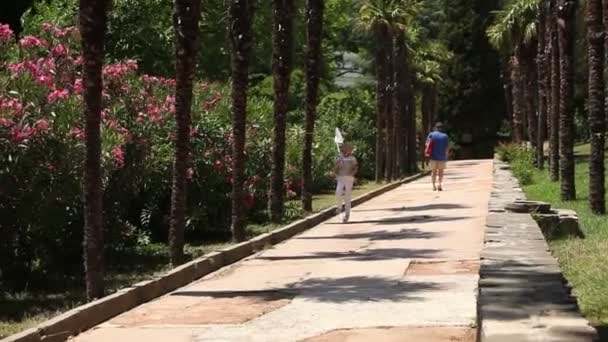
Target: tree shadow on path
pixel 333 290
pixel 378 235
pixel 405 219
pixel 438 206
pixel 365 255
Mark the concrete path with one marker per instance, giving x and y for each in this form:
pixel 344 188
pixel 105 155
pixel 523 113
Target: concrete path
pixel 404 269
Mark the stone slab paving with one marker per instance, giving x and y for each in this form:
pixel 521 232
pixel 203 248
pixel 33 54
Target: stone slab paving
pixel 339 282
pixel 523 295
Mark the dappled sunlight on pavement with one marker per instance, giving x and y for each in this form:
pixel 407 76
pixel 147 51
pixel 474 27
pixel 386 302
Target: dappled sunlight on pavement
pixel 337 277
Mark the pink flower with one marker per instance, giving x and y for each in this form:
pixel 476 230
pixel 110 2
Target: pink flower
pixel 45 80
pixel 112 124
pixel 19 135
pixel 6 34
pixel 170 104
pixel 218 165
pixel 57 94
pixel 58 32
pixel 13 106
pixel 59 51
pixel 41 126
pixel 194 132
pixel 16 68
pixel 189 173
pixel 78 60
pixel 118 70
pixel 47 27
pixel 149 79
pixel 78 86
pixel 51 167
pixel 77 133
pixel 6 122
pixel 32 42
pixel 119 157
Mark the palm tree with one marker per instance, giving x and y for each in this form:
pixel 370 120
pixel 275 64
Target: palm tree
pixel 595 53
pixel 526 56
pixel 400 99
pixel 314 30
pixel 241 37
pixel 542 88
pixel 93 19
pixel 282 15
pixel 430 57
pixel 565 25
pixel 390 113
pixel 411 124
pixel 375 17
pixel 514 30
pixel 554 104
pixel 186 18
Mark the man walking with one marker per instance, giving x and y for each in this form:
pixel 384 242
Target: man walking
pixel 438 145
pixel 345 170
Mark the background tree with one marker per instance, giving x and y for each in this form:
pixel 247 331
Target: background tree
pixel 93 17
pixel 281 68
pixel 555 94
pixel 314 55
pixel 375 17
pixel 597 120
pixel 390 114
pixel 241 36
pixel 514 30
pixel 187 14
pixel 541 67
pixel 400 99
pixel 565 24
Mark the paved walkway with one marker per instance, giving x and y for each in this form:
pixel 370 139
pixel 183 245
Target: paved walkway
pixel 404 269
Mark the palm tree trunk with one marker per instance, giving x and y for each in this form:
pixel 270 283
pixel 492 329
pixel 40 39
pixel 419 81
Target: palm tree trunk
pixel 389 116
pixel 505 75
pixel 595 39
pixel 542 89
pixel 400 100
pixel 412 139
pixel 518 106
pixel 555 93
pixel 187 14
pixel 314 20
pixel 381 99
pixel 526 58
pixel 548 74
pixel 426 108
pixel 565 24
pixel 93 18
pixel 241 37
pixel 281 68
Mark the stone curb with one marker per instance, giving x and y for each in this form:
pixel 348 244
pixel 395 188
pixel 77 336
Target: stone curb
pixel 522 294
pixel 86 316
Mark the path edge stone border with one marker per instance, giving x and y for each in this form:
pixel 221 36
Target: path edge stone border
pixel 86 316
pixel 567 305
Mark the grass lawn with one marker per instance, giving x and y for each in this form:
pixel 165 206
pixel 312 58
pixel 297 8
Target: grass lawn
pixel 583 261
pixel 25 310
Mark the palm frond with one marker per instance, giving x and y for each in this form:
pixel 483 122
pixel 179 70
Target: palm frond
pixel 515 22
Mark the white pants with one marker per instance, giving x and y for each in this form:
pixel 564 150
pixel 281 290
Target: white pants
pixel 344 189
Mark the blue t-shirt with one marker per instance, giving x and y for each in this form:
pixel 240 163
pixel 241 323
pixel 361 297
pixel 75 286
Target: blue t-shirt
pixel 440 145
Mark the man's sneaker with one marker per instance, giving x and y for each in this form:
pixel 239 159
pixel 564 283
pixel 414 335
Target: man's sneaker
pixel 440 188
pixel 345 219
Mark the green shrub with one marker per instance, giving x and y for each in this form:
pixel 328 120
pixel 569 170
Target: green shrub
pixel 521 159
